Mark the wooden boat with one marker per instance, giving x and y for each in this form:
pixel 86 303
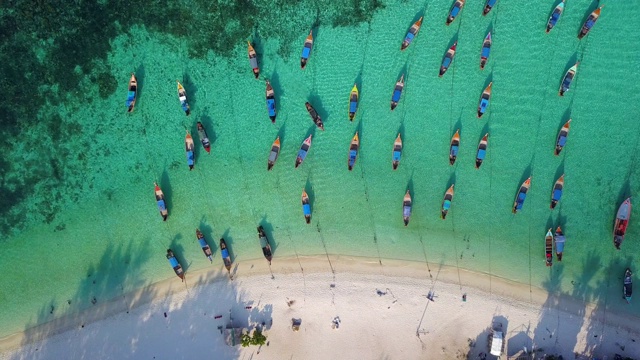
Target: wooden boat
pixel 486 51
pixel 204 138
pixel 271 102
pixel 264 244
pixel 496 339
pixel 397 152
pixel 556 193
pixel 559 240
pixel 177 268
pixel 484 100
pixel 568 78
pixel 488 6
pixel 133 92
pixel 627 285
pixel 406 208
pixel 621 223
pixel 448 58
pixel 304 149
pixel 548 248
pixel 446 202
pixel 561 140
pixel 455 10
pixel 189 148
pixel 591 20
pixel 353 102
pixel 397 91
pixel 454 147
pixel 353 151
pixel 206 249
pixel 162 205
pixel 482 150
pixel 306 50
pixel 306 207
pixel 521 195
pixel 226 257
pixel 182 95
pixel 314 116
pixel 555 16
pixel 413 31
pixel 253 60
pixel 273 155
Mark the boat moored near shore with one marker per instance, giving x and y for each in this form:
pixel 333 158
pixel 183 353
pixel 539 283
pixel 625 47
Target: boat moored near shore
pixel 253 60
pixel 133 92
pixel 555 16
pixel 397 152
pixel 190 150
pixel 273 155
pixel 486 51
pixel 521 195
pixel 304 150
pixel 306 50
pixel 226 257
pixel 397 92
pixel 559 240
pixel 264 244
pixel 353 102
pixel 568 78
pixel 481 153
pixel 488 6
pixel 306 207
pixel 314 116
pixel 206 249
pixel 353 151
pixel 621 223
pixel 627 285
pixel 448 59
pixel 484 100
pixel 406 208
pixel 561 140
pixel 177 268
pixel 182 96
pixel 588 24
pixel 162 205
pixel 446 202
pixel 204 138
pixel 271 102
pixel 411 34
pixel 556 193
pixel 548 248
pixel 455 11
pixel 454 146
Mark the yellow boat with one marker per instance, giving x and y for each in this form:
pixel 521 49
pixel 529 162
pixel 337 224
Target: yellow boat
pixel 353 102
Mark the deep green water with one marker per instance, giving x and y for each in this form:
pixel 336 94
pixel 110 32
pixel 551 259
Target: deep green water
pixel 78 217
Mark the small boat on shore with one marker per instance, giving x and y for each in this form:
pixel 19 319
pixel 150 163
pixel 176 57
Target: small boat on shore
pixel 304 149
pixel 397 91
pixel 314 116
pixel 133 92
pixel 162 205
pixel 559 240
pixel 226 257
pixel 561 140
pixel 455 10
pixel 591 20
pixel 446 202
pixel 556 193
pixel 454 147
pixel 627 285
pixel 275 151
pixel 568 78
pixel 621 223
pixel 484 100
pixel 555 16
pixel 448 59
pixel 206 249
pixel 306 50
pixel 353 151
pixel 482 150
pixel 306 207
pixel 353 102
pixel 271 102
pixel 182 95
pixel 406 208
pixel 264 244
pixel 177 268
pixel 397 152
pixel 548 248
pixel 204 138
pixel 253 60
pixel 189 148
pixel 486 51
pixel 411 34
pixel 488 6
pixel 521 195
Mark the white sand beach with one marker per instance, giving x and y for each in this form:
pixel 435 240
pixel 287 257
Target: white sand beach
pixel 382 313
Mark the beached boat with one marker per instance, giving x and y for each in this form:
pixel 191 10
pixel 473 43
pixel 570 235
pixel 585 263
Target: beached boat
pixel 204 138
pixel 454 147
pixel 627 285
pixel 591 20
pixel 206 249
pixel 448 59
pixel 397 152
pixel 182 95
pixel 446 202
pixel 559 240
pixel 555 16
pixel 189 148
pixel 488 6
pixel 353 102
pixel 486 51
pixel 133 92
pixel 455 10
pixel 496 339
pixel 273 155
pixel 226 257
pixel 621 223
pixel 314 116
pixel 264 244
pixel 353 151
pixel 482 150
pixel 306 50
pixel 253 60
pixel 521 195
pixel 162 205
pixel 397 91
pixel 548 248
pixel 556 193
pixel 568 78
pixel 177 268
pixel 271 102
pixel 413 31
pixel 406 208
pixel 306 207
pixel 561 140
pixel 304 149
pixel 484 100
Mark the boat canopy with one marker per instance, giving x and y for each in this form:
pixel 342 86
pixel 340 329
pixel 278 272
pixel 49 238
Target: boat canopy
pixel 454 150
pixel 396 95
pixel 455 10
pixel 396 155
pixel 271 106
pixel 305 52
pixel 485 51
pixel 406 211
pixel 557 193
pixel 162 205
pixel 481 154
pixel 562 140
pixel 446 205
pixel 225 253
pixel 203 242
pixel 496 343
pixel 174 263
pixel 306 209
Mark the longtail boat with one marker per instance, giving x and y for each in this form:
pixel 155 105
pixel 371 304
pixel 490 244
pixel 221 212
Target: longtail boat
pixel 253 60
pixel 454 147
pixel 486 51
pixel 591 20
pixel 264 244
pixel 314 116
pixel 353 151
pixel 556 193
pixel 406 208
pixel 206 249
pixel 521 195
pixel 488 6
pixel 353 102
pixel 275 151
pixel 204 138
pixel 555 16
pixel 455 10
pixel 559 240
pixel 306 50
pixel 177 268
pixel 446 202
pixel 306 207
pixel 271 102
pixel 448 59
pixel 548 248
pixel 397 91
pixel 484 100
pixel 627 285
pixel 304 149
pixel 568 78
pixel 411 34
pixel 189 148
pixel 133 92
pixel 397 152
pixel 621 223
pixel 226 257
pixel 561 140
pixel 162 205
pixel 482 150
pixel 182 95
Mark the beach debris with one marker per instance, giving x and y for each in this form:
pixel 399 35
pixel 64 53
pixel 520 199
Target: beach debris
pixel 248 307
pixel 69 302
pixel 430 295
pixel 335 323
pixel 52 308
pixel 165 314
pixel 217 317
pixel 94 300
pixel 295 324
pixel 380 292
pixel 464 297
pixel 290 302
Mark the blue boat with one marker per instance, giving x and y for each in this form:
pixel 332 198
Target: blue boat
pixel 271 102
pixel 446 202
pixel 411 34
pixel 189 148
pixel 397 91
pixel 560 239
pixel 521 196
pixel 304 150
pixel 133 91
pixel 488 6
pixel 448 58
pixel 162 205
pixel 203 244
pixel 353 102
pixel 484 100
pixel 353 151
pixel 568 78
pixel 561 141
pixel 397 152
pixel 182 95
pixel 306 50
pixel 177 268
pixel 555 16
pixel 455 10
pixel 406 208
pixel 306 207
pixel 482 150
pixel 556 193
pixel 486 51
pixel 591 20
pixel 226 258
pixel 454 147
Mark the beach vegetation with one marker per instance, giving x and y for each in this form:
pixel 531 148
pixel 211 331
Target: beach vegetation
pixel 258 338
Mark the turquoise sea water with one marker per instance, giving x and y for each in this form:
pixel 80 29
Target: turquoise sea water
pixel 78 214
